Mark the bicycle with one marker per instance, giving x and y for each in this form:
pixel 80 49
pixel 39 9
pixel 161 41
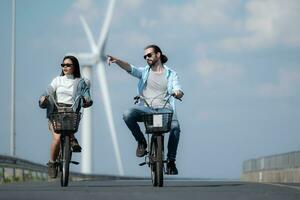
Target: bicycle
pixel 157 123
pixel 65 121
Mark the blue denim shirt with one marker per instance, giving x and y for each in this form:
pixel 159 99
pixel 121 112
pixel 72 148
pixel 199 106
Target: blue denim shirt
pixel 81 88
pixel 142 73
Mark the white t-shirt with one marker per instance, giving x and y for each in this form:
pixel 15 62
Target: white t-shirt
pixel 64 86
pixel 156 89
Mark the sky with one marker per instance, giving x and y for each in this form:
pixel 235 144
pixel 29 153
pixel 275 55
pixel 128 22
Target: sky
pixel 237 60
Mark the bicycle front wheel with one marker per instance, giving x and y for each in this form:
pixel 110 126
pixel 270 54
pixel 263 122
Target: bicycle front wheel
pixel 153 147
pixel 159 161
pixel 66 158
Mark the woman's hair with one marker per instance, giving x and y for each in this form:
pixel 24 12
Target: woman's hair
pixel 163 58
pixel 75 62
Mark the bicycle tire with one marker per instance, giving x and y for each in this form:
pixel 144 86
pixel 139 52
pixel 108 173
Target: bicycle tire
pixel 159 161
pixel 153 148
pixel 66 158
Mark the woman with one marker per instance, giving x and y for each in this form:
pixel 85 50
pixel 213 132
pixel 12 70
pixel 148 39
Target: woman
pixel 65 88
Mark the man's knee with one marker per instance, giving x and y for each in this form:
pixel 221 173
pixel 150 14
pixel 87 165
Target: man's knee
pixel 127 115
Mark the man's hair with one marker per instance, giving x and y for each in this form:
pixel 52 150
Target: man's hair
pixel 163 58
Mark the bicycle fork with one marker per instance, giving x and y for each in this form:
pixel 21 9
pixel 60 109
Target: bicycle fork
pixel 150 158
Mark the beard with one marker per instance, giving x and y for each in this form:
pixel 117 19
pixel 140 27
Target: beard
pixel 152 63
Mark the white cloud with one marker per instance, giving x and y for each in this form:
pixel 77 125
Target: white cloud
pixel 132 4
pixel 215 72
pixel 148 23
pixel 267 23
pixel 88 8
pixel 288 84
pixel 205 13
pixel 83 4
pixel 133 39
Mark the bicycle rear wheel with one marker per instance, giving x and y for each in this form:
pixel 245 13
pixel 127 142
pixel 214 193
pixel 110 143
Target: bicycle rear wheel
pixel 65 162
pixel 159 161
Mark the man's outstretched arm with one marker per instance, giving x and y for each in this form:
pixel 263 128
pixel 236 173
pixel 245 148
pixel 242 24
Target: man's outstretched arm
pixel 123 64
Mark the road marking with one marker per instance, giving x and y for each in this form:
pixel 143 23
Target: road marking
pixel 283 185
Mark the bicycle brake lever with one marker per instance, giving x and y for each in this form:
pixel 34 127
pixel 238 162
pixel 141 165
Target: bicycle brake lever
pixel 176 97
pixel 136 99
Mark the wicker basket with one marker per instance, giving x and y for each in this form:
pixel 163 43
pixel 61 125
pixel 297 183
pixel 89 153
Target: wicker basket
pixel 159 121
pixel 65 121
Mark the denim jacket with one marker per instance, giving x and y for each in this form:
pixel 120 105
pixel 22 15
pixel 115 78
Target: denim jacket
pixel 81 88
pixel 142 73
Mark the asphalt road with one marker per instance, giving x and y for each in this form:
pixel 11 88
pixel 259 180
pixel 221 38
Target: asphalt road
pixel 143 190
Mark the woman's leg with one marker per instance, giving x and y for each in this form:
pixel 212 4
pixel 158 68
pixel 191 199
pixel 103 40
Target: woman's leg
pixel 54 149
pixel 55 143
pixel 74 144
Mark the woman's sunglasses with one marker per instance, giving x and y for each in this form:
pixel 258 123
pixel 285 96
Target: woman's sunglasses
pixel 66 65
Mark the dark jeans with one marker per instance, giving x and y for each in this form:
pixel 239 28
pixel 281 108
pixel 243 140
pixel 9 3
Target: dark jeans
pixel 135 114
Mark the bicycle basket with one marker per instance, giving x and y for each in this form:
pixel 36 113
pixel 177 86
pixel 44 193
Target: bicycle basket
pixel 159 121
pixel 65 121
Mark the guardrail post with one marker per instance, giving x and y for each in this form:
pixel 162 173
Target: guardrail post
pixel 1 175
pixel 19 175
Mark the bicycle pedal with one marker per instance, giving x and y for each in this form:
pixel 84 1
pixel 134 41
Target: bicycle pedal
pixel 143 163
pixel 75 162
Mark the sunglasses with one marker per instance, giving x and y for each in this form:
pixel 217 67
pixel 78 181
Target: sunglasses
pixel 149 55
pixel 66 65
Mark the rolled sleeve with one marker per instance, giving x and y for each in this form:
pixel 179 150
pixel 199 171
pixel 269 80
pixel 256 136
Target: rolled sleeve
pixel 136 72
pixel 176 85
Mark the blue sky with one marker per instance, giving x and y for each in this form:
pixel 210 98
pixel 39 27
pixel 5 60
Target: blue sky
pixel 238 62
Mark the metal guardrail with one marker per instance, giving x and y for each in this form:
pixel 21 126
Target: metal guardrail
pixel 17 169
pixel 14 162
pixel 13 168
pixel 274 162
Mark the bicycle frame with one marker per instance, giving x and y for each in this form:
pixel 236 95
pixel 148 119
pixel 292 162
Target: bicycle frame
pixel 155 151
pixel 65 121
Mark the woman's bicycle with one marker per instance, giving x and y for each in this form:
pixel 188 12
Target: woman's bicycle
pixel 65 121
pixel 157 123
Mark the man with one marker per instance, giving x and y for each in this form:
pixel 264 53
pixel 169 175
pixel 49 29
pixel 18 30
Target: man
pixel 156 81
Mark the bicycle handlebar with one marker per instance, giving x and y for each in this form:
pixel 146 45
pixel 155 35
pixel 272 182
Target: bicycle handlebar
pixel 137 98
pixel 56 104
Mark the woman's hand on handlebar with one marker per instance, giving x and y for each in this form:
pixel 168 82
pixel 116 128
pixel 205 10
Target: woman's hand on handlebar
pixel 43 101
pixel 86 102
pixel 43 98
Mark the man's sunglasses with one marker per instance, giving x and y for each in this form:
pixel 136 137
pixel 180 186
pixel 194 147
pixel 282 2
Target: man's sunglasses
pixel 149 55
pixel 66 65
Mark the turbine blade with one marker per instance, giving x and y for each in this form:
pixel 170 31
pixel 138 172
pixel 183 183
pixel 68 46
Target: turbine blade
pixel 109 115
pixel 89 34
pixel 105 28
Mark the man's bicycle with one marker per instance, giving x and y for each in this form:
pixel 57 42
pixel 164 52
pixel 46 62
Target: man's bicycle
pixel 157 123
pixel 65 121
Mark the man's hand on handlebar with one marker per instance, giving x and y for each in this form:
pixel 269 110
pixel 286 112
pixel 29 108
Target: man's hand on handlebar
pixel 178 94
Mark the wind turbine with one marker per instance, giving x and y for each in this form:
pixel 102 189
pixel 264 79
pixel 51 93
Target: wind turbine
pixel 97 59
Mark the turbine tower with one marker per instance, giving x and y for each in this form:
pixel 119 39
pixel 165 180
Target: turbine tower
pixel 96 58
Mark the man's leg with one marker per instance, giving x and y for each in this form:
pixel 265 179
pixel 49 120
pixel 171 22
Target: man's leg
pixel 131 117
pixel 172 147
